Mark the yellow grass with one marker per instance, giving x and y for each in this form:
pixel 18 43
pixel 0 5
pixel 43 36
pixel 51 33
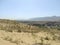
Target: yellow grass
pixel 24 38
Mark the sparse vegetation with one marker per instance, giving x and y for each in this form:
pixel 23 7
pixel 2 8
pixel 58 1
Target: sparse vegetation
pixel 24 34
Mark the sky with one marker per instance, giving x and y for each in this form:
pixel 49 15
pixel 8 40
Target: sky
pixel 25 9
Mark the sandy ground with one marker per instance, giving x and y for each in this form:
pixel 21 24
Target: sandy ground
pixel 4 42
pixel 7 38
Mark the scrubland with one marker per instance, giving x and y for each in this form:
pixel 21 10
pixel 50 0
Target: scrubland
pixel 25 38
pixel 12 33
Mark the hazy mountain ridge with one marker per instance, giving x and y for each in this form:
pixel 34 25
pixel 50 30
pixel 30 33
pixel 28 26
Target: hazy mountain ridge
pixel 53 18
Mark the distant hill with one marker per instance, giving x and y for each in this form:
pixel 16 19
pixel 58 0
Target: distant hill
pixel 53 18
pixel 44 21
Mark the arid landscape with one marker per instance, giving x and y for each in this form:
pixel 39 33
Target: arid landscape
pixel 29 22
pixel 18 33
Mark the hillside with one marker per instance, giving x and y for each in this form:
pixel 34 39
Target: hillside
pixel 12 25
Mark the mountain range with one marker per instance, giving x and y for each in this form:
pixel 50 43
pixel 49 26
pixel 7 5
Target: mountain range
pixel 52 18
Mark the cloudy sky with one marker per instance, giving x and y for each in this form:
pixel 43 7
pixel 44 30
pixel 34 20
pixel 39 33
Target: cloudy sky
pixel 25 9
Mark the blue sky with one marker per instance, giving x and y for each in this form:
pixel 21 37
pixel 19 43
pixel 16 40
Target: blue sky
pixel 25 9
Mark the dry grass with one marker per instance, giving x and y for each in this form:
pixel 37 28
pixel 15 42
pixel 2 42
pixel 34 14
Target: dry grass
pixel 10 25
pixel 41 38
